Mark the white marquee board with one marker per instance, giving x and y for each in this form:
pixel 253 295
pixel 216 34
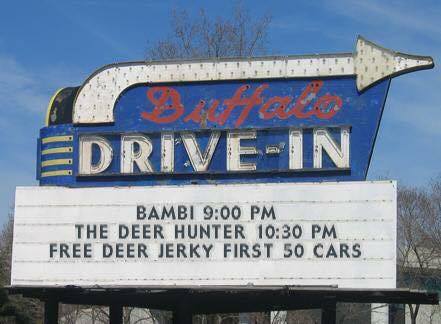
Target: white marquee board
pixel 261 234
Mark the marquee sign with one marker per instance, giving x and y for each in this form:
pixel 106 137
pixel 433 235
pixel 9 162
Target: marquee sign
pixel 281 119
pixel 195 173
pixel 245 234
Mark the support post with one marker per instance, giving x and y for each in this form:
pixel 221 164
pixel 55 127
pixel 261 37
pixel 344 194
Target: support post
pixel 51 311
pixel 329 312
pixel 116 314
pixel 183 315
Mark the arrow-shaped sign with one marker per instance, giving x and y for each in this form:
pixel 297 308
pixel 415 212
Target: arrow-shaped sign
pixel 370 64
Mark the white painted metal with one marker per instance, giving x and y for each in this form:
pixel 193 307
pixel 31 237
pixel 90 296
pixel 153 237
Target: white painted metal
pixel 106 154
pixel 199 161
pixel 140 157
pixel 235 150
pixel 323 141
pixel 373 63
pixel 295 149
pixel 362 213
pixel 370 63
pixel 167 152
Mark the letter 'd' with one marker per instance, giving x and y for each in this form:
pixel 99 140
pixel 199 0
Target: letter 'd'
pixel 86 148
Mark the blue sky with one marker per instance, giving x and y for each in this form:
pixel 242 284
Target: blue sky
pixel 48 44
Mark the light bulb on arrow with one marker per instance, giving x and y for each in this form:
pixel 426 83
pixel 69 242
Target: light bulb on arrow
pixel 370 63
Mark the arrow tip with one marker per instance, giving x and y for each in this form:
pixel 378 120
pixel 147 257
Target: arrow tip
pixel 373 63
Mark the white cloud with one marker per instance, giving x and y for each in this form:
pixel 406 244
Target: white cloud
pixel 19 89
pixel 412 17
pixel 417 116
pixel 24 96
pixel 26 90
pixel 415 101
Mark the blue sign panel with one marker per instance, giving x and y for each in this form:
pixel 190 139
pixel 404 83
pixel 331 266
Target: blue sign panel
pixel 275 130
pixel 250 104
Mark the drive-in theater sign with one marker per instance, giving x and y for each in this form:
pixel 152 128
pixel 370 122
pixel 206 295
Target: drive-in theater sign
pixel 224 173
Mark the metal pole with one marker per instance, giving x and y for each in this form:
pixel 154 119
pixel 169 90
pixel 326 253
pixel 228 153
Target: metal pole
pixel 182 315
pixel 116 314
pixel 329 312
pixel 51 311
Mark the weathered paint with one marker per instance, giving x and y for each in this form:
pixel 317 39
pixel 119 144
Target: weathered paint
pixel 172 107
pixel 305 110
pixel 369 64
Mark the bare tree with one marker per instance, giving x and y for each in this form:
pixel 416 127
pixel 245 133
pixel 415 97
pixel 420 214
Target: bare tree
pixel 206 37
pixel 303 316
pixel 23 309
pixel 6 250
pixel 419 238
pixel 69 314
pixel 134 315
